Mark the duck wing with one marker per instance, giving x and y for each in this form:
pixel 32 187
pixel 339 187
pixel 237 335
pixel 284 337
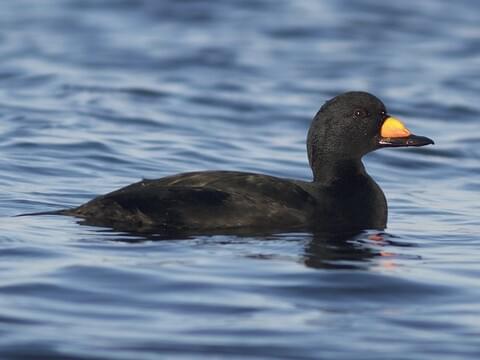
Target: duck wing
pixel 203 200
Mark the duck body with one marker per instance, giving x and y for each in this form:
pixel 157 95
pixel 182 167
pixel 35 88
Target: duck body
pixel 341 196
pixel 216 200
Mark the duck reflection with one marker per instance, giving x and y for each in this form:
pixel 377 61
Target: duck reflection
pixel 354 250
pixel 339 251
pixel 321 250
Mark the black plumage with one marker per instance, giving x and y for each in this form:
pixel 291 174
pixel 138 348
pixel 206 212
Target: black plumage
pixel 342 196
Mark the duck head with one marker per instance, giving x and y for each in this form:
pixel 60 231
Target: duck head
pixel 351 125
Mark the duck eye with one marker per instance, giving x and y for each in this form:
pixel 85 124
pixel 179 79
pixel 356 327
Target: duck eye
pixel 359 113
pixel 383 113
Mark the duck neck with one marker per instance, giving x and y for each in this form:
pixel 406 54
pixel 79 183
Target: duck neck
pixel 329 171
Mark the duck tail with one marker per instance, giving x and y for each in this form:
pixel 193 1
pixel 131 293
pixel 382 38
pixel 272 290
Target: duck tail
pixel 54 212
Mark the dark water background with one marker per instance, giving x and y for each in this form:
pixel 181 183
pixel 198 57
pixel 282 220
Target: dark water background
pixel 98 94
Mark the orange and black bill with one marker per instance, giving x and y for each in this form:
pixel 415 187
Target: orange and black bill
pixel 394 133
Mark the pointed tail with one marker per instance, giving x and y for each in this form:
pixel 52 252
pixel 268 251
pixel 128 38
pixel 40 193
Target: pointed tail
pixel 54 212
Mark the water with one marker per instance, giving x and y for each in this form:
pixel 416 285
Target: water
pixel 96 95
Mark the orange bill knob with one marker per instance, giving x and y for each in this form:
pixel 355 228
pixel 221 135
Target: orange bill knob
pixel 393 128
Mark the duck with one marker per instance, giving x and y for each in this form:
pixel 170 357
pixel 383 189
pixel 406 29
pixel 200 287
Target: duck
pixel 341 196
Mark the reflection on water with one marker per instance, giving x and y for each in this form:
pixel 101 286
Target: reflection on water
pixel 337 251
pixel 321 250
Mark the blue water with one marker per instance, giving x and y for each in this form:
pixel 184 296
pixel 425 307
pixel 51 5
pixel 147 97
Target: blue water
pixel 95 95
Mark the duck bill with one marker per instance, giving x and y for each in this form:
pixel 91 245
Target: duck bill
pixel 393 133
